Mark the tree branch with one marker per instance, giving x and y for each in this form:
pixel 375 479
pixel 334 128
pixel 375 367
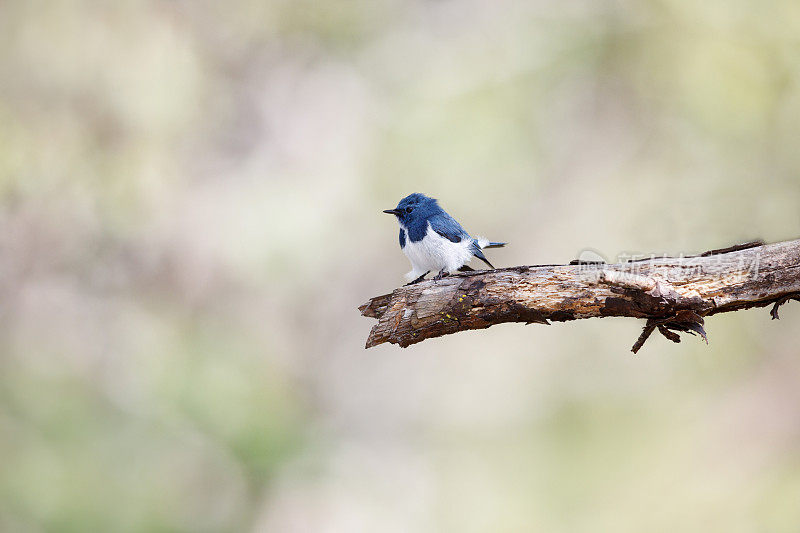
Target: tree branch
pixel 673 294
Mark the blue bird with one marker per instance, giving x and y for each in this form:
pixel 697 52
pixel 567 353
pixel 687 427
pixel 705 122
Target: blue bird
pixel 433 240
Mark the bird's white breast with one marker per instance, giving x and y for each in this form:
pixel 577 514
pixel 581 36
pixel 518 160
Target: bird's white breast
pixel 434 253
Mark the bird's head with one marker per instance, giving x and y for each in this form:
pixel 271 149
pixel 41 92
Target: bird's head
pixel 414 207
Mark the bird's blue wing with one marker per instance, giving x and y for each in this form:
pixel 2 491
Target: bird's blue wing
pixel 477 252
pixel 447 227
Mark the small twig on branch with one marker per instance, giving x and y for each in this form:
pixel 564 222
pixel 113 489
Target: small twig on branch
pixel 673 294
pixel 684 320
pixel 774 312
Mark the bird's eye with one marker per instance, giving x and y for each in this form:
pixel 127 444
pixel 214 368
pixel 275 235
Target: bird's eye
pixel 409 209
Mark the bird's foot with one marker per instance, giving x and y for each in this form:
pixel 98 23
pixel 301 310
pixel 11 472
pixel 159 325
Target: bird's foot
pixel 442 273
pixel 466 268
pixel 422 277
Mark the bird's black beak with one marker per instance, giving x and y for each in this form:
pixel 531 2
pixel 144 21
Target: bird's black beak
pixel 392 211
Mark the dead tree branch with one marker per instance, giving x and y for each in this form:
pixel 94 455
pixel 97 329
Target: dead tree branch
pixel 673 294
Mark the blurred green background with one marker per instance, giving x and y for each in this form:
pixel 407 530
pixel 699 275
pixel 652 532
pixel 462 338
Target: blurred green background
pixel 190 197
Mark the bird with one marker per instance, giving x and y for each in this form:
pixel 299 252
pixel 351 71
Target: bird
pixel 433 240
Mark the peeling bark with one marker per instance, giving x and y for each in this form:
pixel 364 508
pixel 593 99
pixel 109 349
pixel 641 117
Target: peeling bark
pixel 673 294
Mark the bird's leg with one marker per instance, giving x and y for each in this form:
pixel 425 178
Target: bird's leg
pixel 466 268
pixel 418 279
pixel 442 273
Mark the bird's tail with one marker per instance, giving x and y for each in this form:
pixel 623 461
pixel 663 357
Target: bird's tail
pixel 485 243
